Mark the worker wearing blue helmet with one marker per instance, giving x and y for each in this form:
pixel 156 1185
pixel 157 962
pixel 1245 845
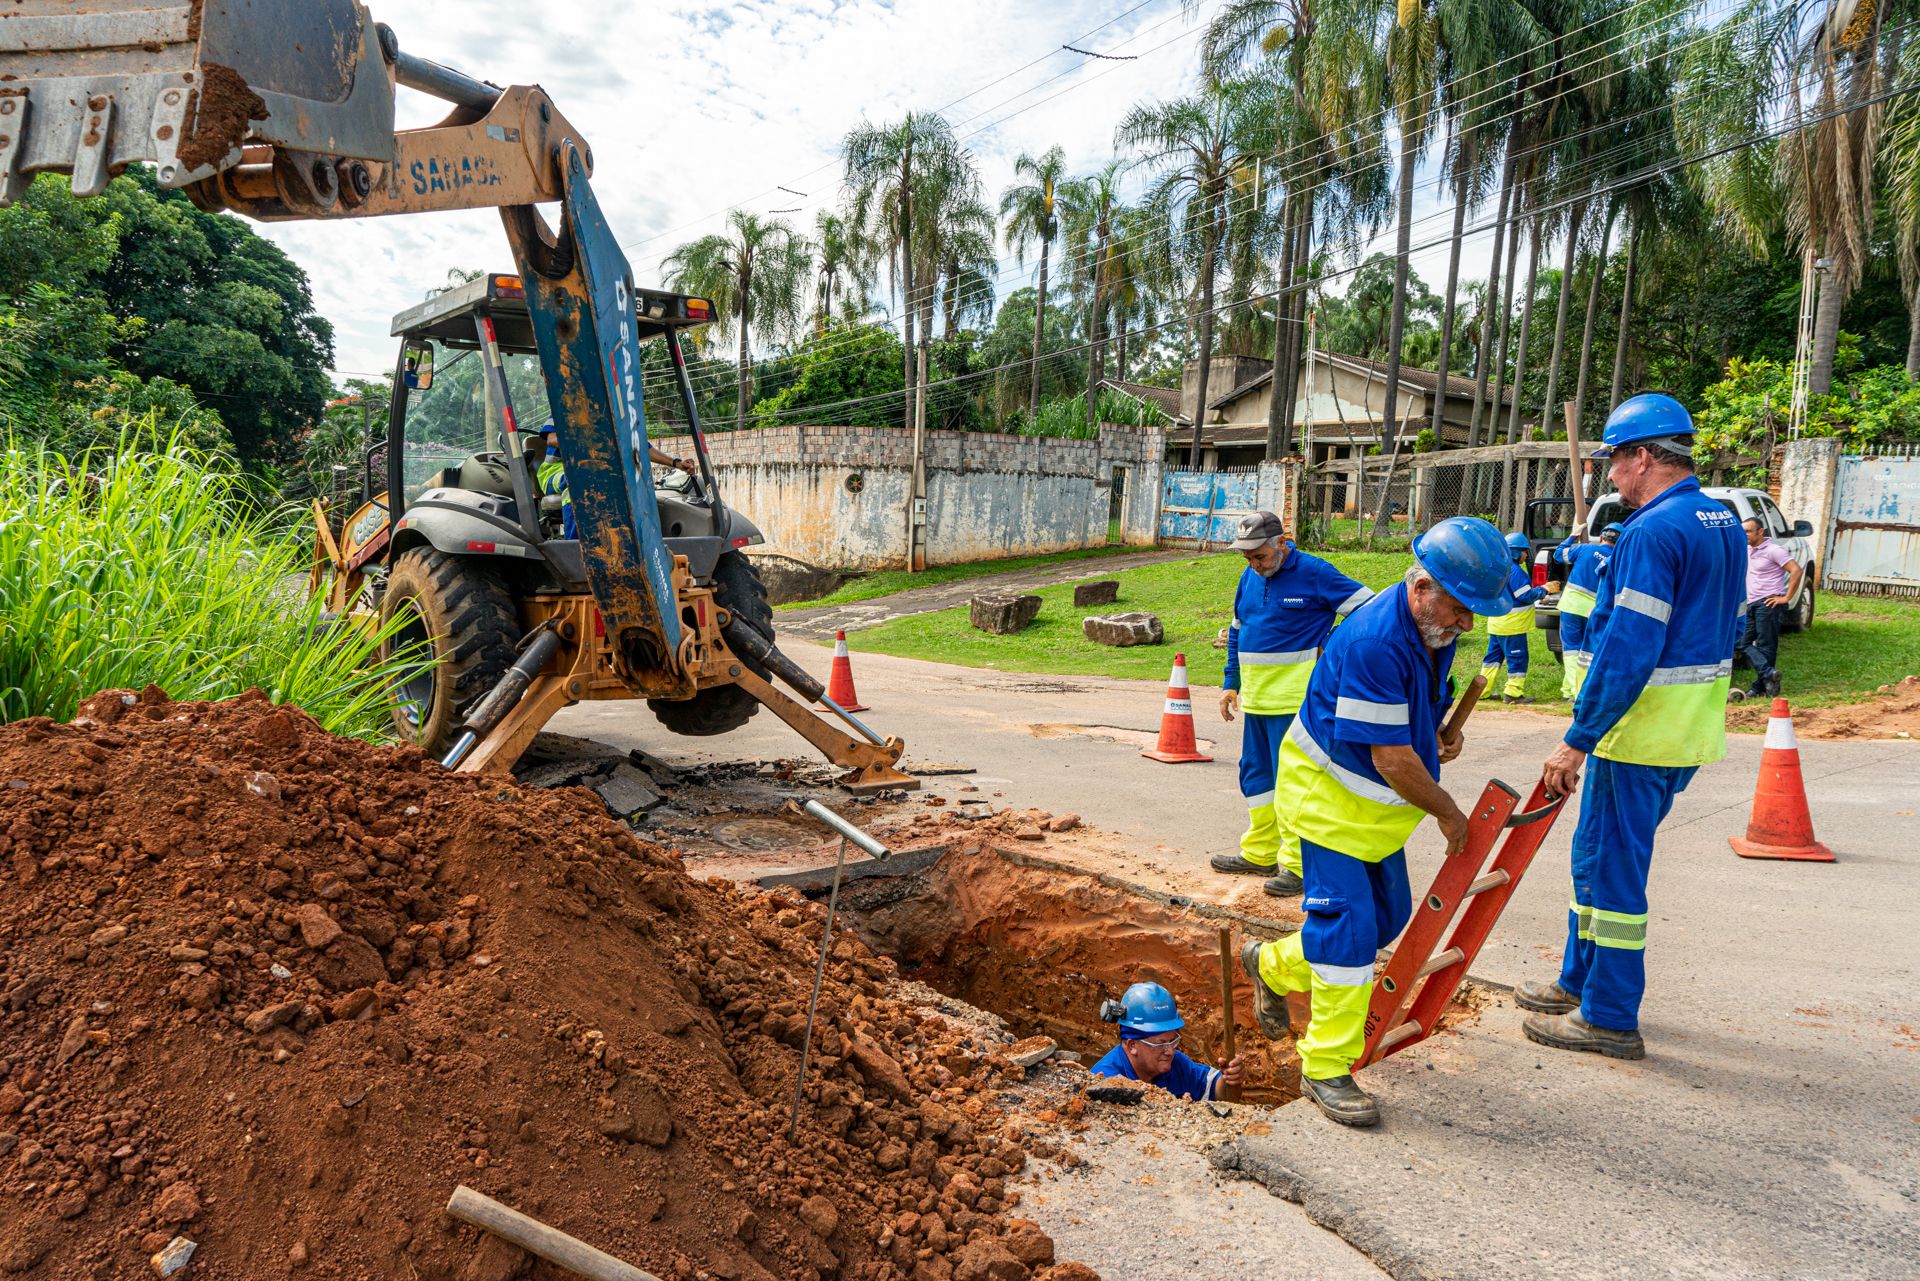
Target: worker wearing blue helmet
pixel 1359 768
pixel 1149 1049
pixel 1585 563
pixel 1652 711
pixel 1507 634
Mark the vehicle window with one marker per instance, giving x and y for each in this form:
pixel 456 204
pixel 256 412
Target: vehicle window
pixel 1733 507
pixel 456 418
pixel 1776 523
pixel 1549 519
pixel 1606 512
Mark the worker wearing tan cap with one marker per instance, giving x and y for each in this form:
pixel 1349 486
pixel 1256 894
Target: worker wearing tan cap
pixel 1284 606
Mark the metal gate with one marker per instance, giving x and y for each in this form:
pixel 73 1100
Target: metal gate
pixel 1875 539
pixel 1202 508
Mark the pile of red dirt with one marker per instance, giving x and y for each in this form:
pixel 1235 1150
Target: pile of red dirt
pixel 1894 714
pixel 278 993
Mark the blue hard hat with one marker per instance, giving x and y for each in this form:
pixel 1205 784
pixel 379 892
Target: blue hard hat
pixel 1518 542
pixel 1648 416
pixel 1468 558
pixel 1149 1009
pixel 1613 527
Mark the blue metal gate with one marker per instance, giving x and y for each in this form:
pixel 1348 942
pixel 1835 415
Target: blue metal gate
pixel 1201 508
pixel 1876 524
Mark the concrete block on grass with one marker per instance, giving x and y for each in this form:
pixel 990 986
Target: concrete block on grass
pixel 1123 630
pixel 1102 591
pixel 1002 615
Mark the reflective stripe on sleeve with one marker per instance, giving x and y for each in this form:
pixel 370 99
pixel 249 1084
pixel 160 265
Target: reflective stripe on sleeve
pixel 1353 602
pixel 1360 709
pixel 1264 798
pixel 1643 603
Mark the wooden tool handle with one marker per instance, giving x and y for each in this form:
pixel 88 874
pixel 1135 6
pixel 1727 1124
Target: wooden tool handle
pixel 1228 1093
pixel 535 1237
pixel 1464 708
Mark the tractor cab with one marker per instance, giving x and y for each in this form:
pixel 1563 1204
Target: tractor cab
pixel 466 441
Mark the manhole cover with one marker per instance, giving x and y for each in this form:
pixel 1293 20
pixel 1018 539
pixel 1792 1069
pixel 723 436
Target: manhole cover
pixel 761 834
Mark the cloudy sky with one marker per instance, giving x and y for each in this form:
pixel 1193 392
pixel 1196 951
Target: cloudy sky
pixel 695 108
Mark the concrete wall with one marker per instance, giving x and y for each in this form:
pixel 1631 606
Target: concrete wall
pixel 1801 480
pixel 838 496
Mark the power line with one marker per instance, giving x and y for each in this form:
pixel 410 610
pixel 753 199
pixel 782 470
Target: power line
pixel 1593 56
pixel 1110 57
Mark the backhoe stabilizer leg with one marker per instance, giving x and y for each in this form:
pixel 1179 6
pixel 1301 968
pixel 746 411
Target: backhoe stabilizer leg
pixel 874 767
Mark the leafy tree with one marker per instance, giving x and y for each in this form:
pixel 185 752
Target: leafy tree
pixel 1361 322
pixel 1033 210
pixel 843 362
pixel 755 273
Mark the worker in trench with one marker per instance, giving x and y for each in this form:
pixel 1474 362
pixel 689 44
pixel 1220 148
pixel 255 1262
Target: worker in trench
pixel 1652 710
pixel 1358 770
pixel 1149 1048
pixel 1284 605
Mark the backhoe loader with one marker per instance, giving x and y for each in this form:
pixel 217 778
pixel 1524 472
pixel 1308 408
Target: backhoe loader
pixel 284 109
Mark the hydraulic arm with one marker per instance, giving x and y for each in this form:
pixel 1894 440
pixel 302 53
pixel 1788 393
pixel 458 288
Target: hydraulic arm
pixel 284 109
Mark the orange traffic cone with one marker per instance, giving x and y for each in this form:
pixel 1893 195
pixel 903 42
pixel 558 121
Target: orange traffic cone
pixel 1780 827
pixel 1176 745
pixel 840 679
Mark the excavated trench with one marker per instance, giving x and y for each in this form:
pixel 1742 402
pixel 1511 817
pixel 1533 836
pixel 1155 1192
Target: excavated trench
pixel 1041 944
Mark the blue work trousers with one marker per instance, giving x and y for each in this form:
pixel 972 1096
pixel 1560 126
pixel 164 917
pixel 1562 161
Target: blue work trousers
pixel 1265 842
pixel 1621 806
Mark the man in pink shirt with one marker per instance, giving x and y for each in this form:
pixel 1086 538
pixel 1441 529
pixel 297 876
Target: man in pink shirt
pixel 1773 577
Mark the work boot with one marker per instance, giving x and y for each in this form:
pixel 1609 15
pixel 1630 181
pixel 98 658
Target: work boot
pixel 1571 1032
pixel 1284 884
pixel 1269 1006
pixel 1239 865
pixel 1773 683
pixel 1342 1100
pixel 1545 998
pixel 1510 698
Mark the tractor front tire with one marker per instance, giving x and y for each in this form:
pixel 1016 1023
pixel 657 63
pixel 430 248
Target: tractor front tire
pixel 724 708
pixel 453 642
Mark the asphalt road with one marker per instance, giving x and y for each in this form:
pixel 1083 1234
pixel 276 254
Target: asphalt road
pixel 1772 1130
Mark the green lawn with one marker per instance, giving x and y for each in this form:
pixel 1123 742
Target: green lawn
pixel 886 582
pixel 1856 645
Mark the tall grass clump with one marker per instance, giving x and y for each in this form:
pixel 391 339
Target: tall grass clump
pixel 153 563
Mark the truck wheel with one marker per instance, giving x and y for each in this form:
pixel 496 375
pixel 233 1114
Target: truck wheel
pixel 459 612
pixel 724 708
pixel 1801 619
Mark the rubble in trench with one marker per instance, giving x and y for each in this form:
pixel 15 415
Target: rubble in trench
pixel 277 993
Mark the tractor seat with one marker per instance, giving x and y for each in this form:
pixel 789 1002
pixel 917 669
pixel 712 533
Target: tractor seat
pixel 484 475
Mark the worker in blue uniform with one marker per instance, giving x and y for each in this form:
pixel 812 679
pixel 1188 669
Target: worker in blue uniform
pixel 1652 711
pixel 1585 563
pixel 1149 1049
pixel 1507 634
pixel 1358 770
pixel 1284 604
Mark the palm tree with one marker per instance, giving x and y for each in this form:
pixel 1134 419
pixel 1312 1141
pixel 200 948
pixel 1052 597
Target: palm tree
pixel 1202 151
pixel 888 169
pixel 1032 210
pixel 843 269
pixel 1134 289
pixel 754 273
pixel 1832 58
pixel 1092 247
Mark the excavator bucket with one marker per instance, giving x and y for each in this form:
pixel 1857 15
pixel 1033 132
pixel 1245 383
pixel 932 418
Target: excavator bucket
pixel 88 87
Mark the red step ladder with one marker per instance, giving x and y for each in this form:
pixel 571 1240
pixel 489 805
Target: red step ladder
pixel 1421 980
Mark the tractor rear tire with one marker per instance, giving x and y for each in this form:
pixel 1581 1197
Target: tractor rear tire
pixel 724 708
pixel 458 610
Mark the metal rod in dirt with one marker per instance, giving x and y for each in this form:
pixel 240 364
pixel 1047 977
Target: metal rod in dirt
pixel 847 830
pixel 1226 1009
pixel 853 720
pixel 535 1237
pixel 819 973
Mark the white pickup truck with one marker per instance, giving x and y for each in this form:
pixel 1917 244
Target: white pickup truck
pixel 1549 519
